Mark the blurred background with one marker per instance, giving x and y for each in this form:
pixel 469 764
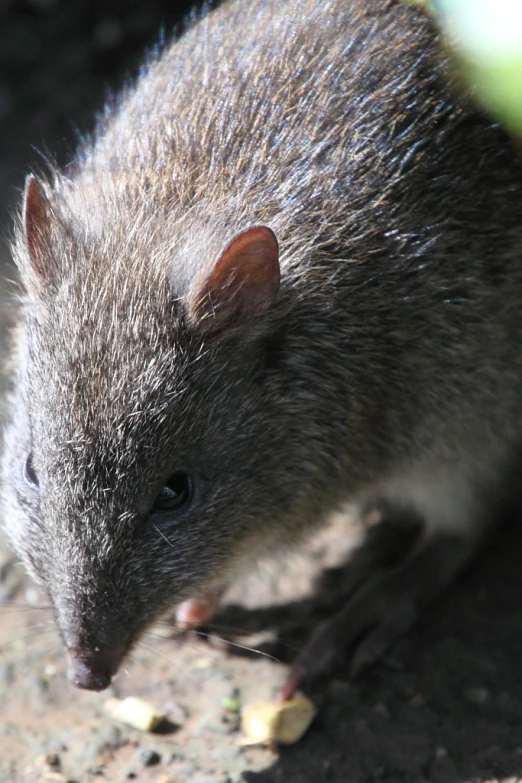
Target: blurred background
pixel 58 61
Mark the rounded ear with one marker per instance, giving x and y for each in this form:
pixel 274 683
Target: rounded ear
pixel 240 285
pixel 36 224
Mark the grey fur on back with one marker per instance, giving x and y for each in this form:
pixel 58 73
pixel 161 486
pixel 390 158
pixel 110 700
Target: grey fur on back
pixel 389 365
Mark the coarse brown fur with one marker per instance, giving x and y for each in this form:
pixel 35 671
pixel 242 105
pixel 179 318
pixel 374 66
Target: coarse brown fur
pixel 388 366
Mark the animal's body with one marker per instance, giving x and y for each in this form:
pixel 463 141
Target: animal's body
pixel 286 274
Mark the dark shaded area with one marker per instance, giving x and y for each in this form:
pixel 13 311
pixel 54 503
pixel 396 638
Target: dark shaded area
pixel 386 545
pixel 59 59
pixel 445 705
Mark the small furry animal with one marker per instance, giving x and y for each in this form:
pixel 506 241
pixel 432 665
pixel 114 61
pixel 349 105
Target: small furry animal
pixel 285 273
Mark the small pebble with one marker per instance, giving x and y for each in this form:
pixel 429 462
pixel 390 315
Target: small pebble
pixel 49 760
pixel 282 722
pixel 148 757
pixel 202 663
pixel 53 760
pixel 135 712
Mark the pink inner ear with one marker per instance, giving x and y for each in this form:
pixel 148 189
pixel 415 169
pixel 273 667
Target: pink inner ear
pixel 36 224
pixel 242 283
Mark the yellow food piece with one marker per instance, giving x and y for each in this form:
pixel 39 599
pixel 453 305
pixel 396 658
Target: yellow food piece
pixel 282 722
pixel 135 712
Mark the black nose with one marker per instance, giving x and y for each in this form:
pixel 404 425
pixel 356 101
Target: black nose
pixel 93 670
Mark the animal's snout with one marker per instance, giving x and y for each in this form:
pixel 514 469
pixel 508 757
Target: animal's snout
pixel 93 670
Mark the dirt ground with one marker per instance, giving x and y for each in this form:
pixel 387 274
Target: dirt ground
pixel 445 706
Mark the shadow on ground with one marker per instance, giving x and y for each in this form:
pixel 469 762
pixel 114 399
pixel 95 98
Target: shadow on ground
pixel 445 705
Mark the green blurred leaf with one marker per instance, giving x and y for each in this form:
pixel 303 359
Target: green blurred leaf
pixel 230 704
pixel 487 37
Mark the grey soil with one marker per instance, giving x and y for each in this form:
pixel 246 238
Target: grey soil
pixel 444 707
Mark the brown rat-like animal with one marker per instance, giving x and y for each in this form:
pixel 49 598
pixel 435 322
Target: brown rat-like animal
pixel 286 273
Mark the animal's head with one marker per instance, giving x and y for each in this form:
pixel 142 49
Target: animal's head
pixel 146 453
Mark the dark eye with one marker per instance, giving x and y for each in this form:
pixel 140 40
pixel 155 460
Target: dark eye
pixel 174 494
pixel 30 473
